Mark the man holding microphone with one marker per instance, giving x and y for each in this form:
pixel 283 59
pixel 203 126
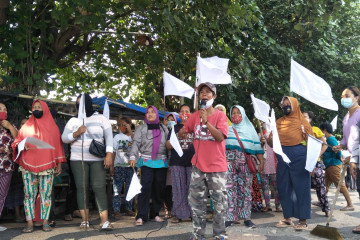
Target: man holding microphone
pixel 209 169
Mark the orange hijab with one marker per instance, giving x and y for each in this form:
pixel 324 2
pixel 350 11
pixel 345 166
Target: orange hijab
pixel 45 129
pixel 290 126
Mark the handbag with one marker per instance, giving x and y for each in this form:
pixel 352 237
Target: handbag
pixel 249 161
pixel 97 148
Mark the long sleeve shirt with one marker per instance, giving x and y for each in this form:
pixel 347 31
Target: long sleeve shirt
pixel 98 127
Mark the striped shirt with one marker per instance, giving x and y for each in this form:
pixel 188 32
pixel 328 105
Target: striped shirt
pixel 98 127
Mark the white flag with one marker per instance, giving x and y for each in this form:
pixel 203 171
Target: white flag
pixel 106 111
pixel 313 152
pixel 39 144
pixel 82 112
pixel 276 140
pixel 174 86
pixel 213 70
pixel 334 123
pixel 261 109
pixel 134 188
pixel 174 141
pixel 311 87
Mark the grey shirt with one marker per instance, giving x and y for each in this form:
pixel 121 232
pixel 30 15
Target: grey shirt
pixel 143 142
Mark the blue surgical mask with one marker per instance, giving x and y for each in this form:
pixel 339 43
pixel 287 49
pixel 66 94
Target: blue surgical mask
pixel 171 124
pixel 347 102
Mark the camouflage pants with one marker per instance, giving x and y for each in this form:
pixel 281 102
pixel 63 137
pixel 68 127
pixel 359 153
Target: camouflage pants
pixel 201 185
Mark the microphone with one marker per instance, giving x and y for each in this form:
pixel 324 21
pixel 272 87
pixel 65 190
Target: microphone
pixel 202 106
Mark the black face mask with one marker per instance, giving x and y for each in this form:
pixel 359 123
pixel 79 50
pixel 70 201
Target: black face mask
pixel 37 113
pixel 286 110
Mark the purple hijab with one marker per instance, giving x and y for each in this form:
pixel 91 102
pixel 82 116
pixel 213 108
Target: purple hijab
pixel 155 131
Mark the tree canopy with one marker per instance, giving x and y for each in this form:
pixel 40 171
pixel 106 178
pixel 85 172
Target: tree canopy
pixel 81 45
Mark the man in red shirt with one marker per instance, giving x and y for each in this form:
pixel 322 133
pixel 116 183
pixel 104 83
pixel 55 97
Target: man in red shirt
pixel 208 175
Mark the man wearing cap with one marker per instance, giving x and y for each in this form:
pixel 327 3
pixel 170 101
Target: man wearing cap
pixel 208 175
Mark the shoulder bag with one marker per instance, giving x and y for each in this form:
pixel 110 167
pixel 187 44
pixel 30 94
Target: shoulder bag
pixel 97 148
pixel 249 161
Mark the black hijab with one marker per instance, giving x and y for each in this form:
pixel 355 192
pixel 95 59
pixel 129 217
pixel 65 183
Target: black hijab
pixel 88 105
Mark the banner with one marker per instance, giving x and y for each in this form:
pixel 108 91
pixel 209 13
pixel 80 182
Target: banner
pixel 313 152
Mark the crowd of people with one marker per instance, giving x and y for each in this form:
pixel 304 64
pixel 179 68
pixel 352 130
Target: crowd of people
pixel 225 162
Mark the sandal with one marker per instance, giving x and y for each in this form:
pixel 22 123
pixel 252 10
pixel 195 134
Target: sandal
pixel 284 223
pixel 300 226
pixel 266 209
pixel 356 230
pixel 107 226
pixel 130 213
pixel 84 225
pixel 278 209
pixel 68 217
pixel 158 219
pixel 176 220
pixel 117 215
pixel 347 208
pixel 46 228
pixel 28 230
pixel 139 222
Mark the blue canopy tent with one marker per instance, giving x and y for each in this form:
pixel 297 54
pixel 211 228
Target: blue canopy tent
pixel 118 107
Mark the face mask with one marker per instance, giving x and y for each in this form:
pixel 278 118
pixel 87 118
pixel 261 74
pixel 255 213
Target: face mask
pixel 347 102
pixel 236 119
pixel 37 113
pixel 286 110
pixel 209 103
pixel 184 116
pixel 3 116
pixel 171 124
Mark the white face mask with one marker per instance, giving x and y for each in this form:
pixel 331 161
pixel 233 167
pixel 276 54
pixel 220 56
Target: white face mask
pixel 209 103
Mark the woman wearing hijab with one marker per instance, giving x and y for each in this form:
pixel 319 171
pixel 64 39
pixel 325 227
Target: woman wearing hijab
pixel 222 108
pixel 38 166
pixel 239 178
pixel 168 198
pixel 150 141
pixel 181 169
pixel 7 134
pixel 97 127
pixel 292 178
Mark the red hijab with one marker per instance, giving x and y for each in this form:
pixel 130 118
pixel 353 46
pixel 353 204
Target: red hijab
pixel 45 129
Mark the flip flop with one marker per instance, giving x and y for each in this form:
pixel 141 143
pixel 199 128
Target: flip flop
pixel 139 222
pixel 347 209
pixel 284 224
pixel 46 228
pixel 356 230
pixel 300 226
pixel 28 230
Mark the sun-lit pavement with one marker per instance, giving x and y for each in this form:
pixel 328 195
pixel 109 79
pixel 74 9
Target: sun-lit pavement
pixel 125 229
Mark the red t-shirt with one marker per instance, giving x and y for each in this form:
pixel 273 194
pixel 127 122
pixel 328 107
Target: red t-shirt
pixel 209 154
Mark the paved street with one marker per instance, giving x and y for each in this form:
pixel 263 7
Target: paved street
pixel 125 229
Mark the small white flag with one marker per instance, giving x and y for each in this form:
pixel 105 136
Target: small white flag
pixel 176 87
pixel 106 111
pixel 134 188
pixel 82 112
pixel 261 109
pixel 311 87
pixel 334 123
pixel 276 140
pixel 39 144
pixel 174 141
pixel 213 70
pixel 313 152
